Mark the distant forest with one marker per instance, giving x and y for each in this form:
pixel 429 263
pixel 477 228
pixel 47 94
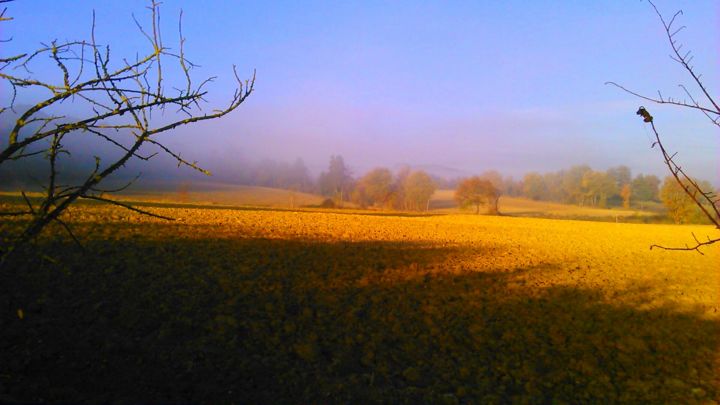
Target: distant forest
pixel 577 185
pixel 409 189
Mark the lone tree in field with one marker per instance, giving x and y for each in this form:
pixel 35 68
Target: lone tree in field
pixel 704 198
pixel 477 191
pixel 126 104
pixel 495 178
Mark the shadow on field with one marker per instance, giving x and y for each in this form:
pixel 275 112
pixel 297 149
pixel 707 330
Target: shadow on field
pixel 18 200
pixel 277 321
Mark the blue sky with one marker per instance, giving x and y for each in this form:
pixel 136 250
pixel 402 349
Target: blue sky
pixel 515 86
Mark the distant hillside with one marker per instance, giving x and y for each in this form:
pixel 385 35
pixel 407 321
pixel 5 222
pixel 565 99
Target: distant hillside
pixel 445 172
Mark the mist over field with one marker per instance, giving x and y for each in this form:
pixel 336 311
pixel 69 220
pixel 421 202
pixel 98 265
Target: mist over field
pixel 467 90
pixel 359 202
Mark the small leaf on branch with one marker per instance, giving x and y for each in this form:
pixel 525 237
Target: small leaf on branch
pixel 644 113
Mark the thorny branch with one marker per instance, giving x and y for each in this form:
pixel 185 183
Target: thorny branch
pixel 121 98
pixel 706 200
pixel 712 112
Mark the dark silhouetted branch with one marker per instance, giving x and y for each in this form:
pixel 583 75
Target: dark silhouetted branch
pixel 127 206
pixel 696 247
pixel 122 99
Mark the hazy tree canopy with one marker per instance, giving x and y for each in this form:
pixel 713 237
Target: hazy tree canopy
pixel 621 175
pixel 494 177
pixel 337 180
pixel 477 191
pixel 584 186
pixel 598 188
pixel 360 197
pixel 576 185
pixel 512 187
pixel 646 188
pixel 572 182
pixel 678 204
pixel 399 199
pixel 625 194
pixel 418 188
pixel 534 186
pixel 270 173
pixel 553 189
pixel 681 208
pixel 299 176
pixel 377 185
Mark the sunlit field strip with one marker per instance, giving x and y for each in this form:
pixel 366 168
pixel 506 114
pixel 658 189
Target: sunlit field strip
pixel 347 306
pixel 606 256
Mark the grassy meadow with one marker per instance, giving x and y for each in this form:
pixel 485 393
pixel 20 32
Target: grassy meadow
pixel 226 195
pixel 309 306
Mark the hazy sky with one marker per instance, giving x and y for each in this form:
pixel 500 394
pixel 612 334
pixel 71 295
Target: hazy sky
pixel 509 85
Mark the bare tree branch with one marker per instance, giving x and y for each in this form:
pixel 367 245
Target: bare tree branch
pixel 122 99
pixel 70 232
pixel 713 112
pixel 127 206
pixel 702 199
pixel 661 100
pixel 696 247
pixel 705 200
pixel 683 59
pixel 15 213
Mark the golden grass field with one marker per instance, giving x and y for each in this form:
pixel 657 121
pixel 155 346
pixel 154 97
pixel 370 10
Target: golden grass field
pixel 262 306
pixel 229 194
pixel 443 201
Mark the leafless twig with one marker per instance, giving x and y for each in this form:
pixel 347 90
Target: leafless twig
pixel 705 200
pixel 122 98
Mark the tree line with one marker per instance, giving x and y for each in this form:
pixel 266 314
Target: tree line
pixel 581 185
pixel 407 189
pixel 615 187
